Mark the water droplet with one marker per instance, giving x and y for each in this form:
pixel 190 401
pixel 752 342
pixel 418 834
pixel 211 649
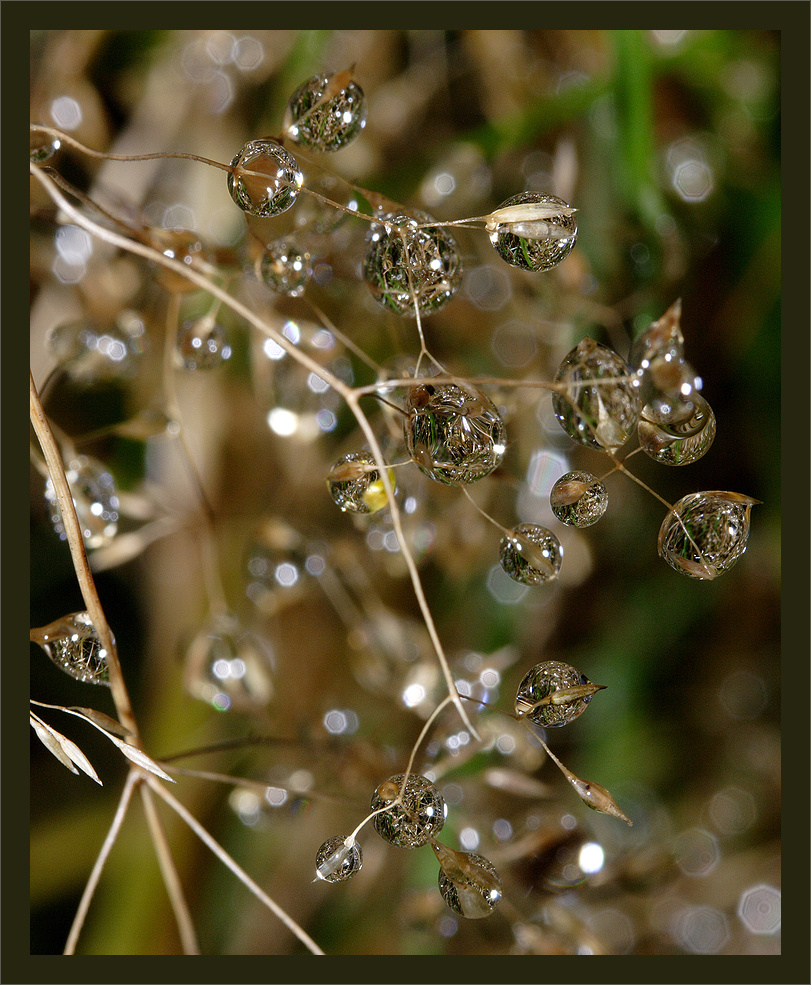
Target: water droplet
pixel 531 554
pixel 327 112
pixel 265 180
pixel 228 667
pixel 404 262
pixel 355 485
pixel 94 498
pixel 677 438
pixel 468 882
pixel 335 862
pixel 705 533
pixel 90 352
pixel 600 405
pixel 414 822
pixel 202 343
pixel 43 147
pixel 535 244
pixel 285 268
pixel 578 499
pixel 74 646
pixel 553 694
pixel 453 432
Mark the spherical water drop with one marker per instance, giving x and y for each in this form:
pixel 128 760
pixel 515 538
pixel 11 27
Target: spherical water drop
pixel 202 343
pixel 327 112
pixel 265 179
pixel 453 432
pixel 404 263
pixel 578 499
pixel 535 244
pixel 94 498
pixel 337 863
pixel 414 822
pixel 468 882
pixel 677 438
pixel 531 554
pixel 74 646
pixel 43 147
pixel 600 403
pixel 90 352
pixel 228 667
pixel 285 268
pixel 553 694
pixel 355 485
pixel 705 533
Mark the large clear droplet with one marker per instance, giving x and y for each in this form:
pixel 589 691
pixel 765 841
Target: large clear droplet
pixel 677 438
pixel 414 822
pixel 553 694
pixel 705 533
pixel 469 883
pixel 202 343
pixel 74 646
pixel 355 485
pixel 335 862
pixel 94 498
pixel 228 667
pixel 326 113
pixel 535 244
pixel 265 179
pixel 90 352
pixel 578 499
pixel 285 268
pixel 600 403
pixel 453 432
pixel 404 263
pixel 531 554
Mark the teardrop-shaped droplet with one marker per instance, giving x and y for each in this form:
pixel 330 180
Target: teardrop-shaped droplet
pixel 336 862
pixel 94 498
pixel 531 554
pixel 265 179
pixel 538 244
pixel 202 343
pixel 678 439
pixel 327 112
pixel 417 820
pixel 578 499
pixel 74 646
pixel 229 667
pixel 705 533
pixel 43 146
pixel 404 262
pixel 599 403
pixel 469 883
pixel 453 432
pixel 553 694
pixel 657 354
pixel 355 485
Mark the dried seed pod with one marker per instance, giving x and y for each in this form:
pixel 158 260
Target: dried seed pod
pixel 469 883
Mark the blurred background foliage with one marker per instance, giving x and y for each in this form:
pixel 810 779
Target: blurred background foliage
pixel 668 142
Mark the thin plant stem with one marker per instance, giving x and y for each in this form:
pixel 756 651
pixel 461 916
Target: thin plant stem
pixel 78 554
pixel 133 777
pixel 171 880
pixel 238 871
